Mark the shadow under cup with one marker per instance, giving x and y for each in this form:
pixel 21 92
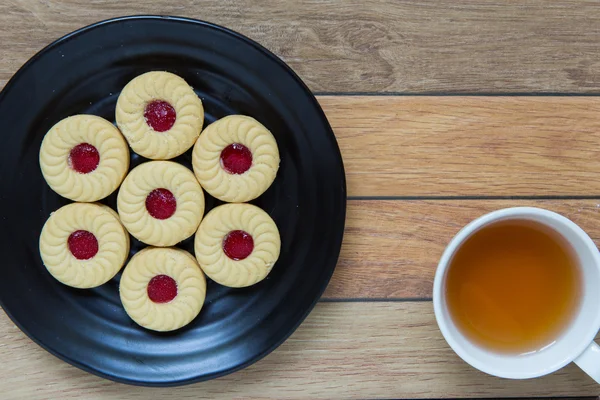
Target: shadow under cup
pixel 574 338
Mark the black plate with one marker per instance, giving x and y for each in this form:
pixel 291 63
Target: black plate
pixel 84 73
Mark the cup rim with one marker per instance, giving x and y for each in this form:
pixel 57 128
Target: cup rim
pixel 444 263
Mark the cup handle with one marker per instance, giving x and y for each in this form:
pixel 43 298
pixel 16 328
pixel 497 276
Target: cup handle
pixel 589 361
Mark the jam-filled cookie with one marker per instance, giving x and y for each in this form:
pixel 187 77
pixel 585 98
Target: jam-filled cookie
pixel 236 159
pixel 162 289
pixel 84 245
pixel 84 158
pixel 160 115
pixel 237 245
pixel 161 203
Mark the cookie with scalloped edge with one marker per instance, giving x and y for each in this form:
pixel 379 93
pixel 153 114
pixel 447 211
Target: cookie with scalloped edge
pixel 84 158
pixel 162 289
pixel 161 203
pixel 159 115
pixel 237 244
pixel 84 245
pixel 236 159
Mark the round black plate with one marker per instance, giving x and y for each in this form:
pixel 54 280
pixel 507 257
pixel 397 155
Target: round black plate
pixel 84 73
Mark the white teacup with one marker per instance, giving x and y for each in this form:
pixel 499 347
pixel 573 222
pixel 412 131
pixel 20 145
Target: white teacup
pixel 575 344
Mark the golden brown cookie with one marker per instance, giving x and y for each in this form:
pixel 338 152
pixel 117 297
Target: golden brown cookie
pixel 162 289
pixel 237 244
pixel 160 115
pixel 84 158
pixel 161 203
pixel 236 159
pixel 84 245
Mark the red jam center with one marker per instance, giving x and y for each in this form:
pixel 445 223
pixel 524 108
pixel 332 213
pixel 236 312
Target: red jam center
pixel 238 245
pixel 84 158
pixel 161 203
pixel 83 245
pixel 162 289
pixel 160 115
pixel 236 158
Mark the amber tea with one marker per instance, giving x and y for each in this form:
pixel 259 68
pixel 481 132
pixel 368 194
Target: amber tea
pixel 513 286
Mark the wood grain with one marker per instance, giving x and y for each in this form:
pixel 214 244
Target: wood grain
pixel 366 45
pixel 343 350
pixel 468 146
pixel 391 248
pixel 424 147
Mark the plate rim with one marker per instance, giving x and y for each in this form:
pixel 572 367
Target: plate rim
pixel 337 239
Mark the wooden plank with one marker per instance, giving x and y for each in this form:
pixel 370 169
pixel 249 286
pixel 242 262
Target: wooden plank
pixel 366 45
pixel 343 350
pixel 391 248
pixel 468 146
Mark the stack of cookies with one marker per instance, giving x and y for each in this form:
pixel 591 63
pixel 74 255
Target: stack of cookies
pixel 86 158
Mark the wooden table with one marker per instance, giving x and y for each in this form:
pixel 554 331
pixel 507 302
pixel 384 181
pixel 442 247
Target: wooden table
pixel 443 112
